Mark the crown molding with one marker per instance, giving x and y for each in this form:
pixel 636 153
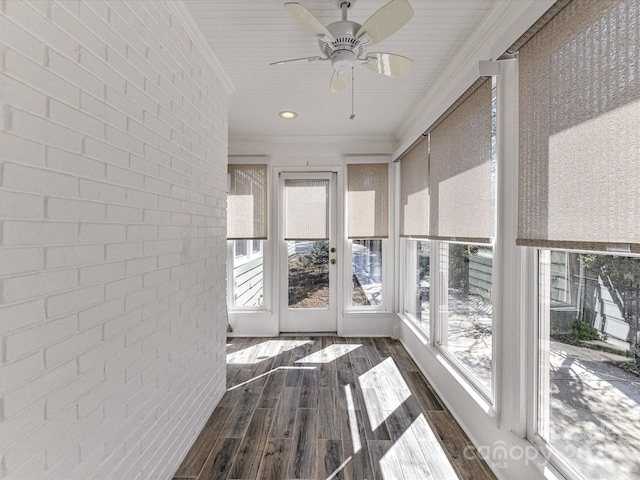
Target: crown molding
pixel 313 144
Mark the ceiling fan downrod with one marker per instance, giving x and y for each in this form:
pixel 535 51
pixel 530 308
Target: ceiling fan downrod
pixel 344 6
pixel 353 93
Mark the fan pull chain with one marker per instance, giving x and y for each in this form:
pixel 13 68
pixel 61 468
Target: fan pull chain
pixel 353 84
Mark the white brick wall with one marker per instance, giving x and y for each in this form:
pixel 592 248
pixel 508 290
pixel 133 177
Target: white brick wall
pixel 112 175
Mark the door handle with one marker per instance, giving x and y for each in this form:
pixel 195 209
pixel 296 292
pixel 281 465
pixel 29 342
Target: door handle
pixel 333 261
pixel 333 249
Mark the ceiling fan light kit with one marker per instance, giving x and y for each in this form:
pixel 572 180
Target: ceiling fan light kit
pixel 344 42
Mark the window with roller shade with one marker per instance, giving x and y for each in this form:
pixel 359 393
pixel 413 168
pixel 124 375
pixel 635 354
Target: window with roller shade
pixel 460 152
pixel 247 202
pixel 579 165
pixel 247 232
pixel 414 191
pixel 579 204
pixel 367 228
pixel 368 200
pixel 461 221
pixel 414 225
pixel 306 209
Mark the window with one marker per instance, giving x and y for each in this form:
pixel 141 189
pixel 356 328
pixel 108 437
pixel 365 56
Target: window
pixel 578 192
pixel 247 274
pixel 367 229
pixel 588 365
pixel 246 233
pixel 447 192
pixel 366 264
pixel 466 309
pixel 239 248
pixel 247 201
pixel 418 282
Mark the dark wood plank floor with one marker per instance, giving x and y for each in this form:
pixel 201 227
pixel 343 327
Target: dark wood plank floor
pixel 328 408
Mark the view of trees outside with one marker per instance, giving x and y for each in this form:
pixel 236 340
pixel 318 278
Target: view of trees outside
pixel 589 375
pixel 309 274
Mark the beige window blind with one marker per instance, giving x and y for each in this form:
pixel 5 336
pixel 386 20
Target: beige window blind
pixel 579 168
pixel 368 200
pixel 460 171
pixel 306 203
pixel 414 191
pixel 247 202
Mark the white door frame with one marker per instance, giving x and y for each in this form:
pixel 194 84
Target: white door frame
pixel 307 319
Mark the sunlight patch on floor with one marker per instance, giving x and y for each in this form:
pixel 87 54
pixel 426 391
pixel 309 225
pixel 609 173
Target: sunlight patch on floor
pixel 389 465
pixel 263 351
pixel 386 390
pixel 353 420
pixel 409 451
pixel 330 353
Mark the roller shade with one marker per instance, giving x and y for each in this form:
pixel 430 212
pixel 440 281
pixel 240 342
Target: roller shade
pixel 579 167
pixel 461 206
pixel 368 200
pixel 306 203
pixel 414 191
pixel 247 202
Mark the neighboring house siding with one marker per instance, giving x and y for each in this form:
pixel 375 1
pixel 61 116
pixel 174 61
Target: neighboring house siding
pixel 480 276
pixel 112 221
pixel 248 283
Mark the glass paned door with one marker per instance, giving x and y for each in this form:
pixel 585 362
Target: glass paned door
pixel 308 254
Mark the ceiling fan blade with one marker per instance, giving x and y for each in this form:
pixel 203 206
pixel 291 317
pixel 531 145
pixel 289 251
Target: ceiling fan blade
pixel 388 64
pixel 386 21
pixel 303 59
pixel 339 82
pixel 307 19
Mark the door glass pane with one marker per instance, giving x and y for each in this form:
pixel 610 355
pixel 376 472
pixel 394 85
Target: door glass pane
pixel 366 262
pixel 308 273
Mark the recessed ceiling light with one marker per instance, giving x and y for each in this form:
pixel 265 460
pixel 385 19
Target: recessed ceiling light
pixel 288 115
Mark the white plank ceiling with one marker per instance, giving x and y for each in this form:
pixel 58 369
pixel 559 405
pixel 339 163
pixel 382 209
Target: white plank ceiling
pixel 246 35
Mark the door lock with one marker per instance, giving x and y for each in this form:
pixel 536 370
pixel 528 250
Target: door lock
pixel 333 261
pixel 333 249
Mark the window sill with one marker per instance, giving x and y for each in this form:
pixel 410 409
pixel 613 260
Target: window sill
pixel 416 328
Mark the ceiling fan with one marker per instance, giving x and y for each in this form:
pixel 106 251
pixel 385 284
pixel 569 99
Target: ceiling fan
pixel 344 43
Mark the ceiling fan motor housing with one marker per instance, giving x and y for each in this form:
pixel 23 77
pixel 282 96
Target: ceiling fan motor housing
pixel 346 48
